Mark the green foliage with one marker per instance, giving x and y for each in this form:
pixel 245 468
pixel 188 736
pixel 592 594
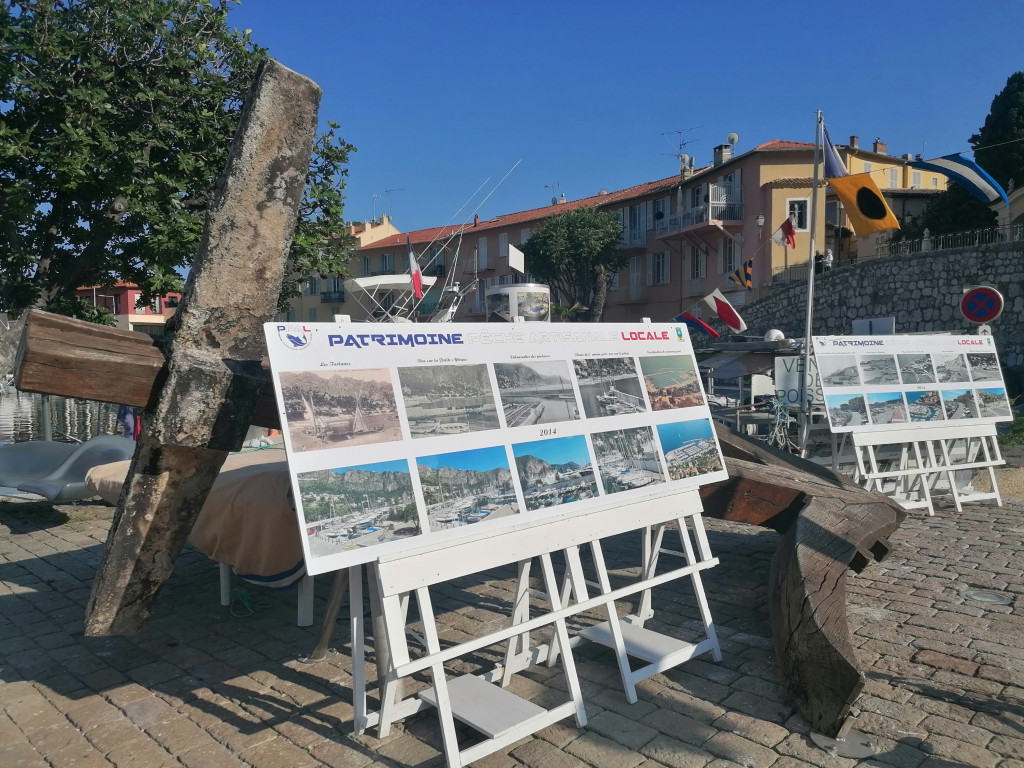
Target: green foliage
pixel 574 253
pixel 116 119
pixel 954 210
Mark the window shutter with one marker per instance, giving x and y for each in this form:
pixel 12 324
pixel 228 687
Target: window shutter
pixel 650 269
pixel 668 265
pixel 721 257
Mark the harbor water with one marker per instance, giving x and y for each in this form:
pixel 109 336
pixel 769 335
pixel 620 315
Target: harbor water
pixel 71 420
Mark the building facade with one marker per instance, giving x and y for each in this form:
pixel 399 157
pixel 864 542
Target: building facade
pixel 130 313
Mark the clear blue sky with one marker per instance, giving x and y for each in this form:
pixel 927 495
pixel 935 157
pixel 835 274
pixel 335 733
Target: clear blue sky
pixel 439 96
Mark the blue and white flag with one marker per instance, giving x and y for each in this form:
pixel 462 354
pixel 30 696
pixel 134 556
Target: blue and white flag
pixel 968 174
pixel 834 166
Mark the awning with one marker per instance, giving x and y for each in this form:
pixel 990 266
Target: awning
pixel 733 365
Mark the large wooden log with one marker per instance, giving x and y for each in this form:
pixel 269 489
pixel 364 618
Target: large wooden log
pixel 213 372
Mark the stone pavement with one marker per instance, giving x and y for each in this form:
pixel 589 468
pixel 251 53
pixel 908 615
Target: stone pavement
pixel 936 627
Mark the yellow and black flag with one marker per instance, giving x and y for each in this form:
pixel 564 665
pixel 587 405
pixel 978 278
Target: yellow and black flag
pixel 865 207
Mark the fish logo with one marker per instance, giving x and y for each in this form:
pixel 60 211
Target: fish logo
pixel 295 336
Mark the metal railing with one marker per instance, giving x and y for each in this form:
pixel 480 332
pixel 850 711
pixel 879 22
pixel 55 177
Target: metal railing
pixel 701 215
pixel 332 297
pixel 1007 233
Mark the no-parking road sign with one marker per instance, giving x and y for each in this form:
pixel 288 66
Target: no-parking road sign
pixel 982 304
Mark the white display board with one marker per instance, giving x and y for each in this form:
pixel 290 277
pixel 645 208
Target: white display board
pixel 398 435
pixel 877 383
pixel 788 370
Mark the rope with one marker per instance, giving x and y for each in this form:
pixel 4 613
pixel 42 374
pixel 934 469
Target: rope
pixel 246 605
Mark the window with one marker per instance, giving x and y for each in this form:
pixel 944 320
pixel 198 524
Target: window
pixel 387 263
pixel 732 256
pixel 798 213
pixel 696 264
pixel 504 279
pixel 289 316
pixel 635 278
pixel 481 253
pixel 867 167
pixel 894 178
pixel 697 197
pixel 524 235
pixel 660 209
pixel 311 314
pixel 503 246
pixel 366 265
pixel 915 180
pixel 832 213
pixel 935 182
pixel 314 287
pixel 638 218
pixel 658 268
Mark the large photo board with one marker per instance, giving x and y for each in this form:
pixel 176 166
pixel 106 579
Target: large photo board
pixel 878 383
pixel 400 434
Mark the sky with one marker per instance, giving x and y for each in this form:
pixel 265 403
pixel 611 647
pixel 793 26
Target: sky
pixel 461 108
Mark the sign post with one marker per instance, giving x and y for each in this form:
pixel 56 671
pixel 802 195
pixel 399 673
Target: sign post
pixel 982 304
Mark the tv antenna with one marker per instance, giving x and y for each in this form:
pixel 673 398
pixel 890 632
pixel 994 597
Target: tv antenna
pixel 388 193
pixel 375 197
pixel 552 187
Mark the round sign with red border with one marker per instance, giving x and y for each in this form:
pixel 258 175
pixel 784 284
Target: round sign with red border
pixel 982 304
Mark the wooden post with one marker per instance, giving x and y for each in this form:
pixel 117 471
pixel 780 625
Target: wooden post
pixel 213 377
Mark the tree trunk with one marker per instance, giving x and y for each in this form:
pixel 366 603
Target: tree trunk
pixel 600 293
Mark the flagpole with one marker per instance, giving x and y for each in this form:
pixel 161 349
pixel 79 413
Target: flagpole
pixel 805 426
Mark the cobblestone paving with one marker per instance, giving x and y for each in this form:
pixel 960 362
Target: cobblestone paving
pixel 202 688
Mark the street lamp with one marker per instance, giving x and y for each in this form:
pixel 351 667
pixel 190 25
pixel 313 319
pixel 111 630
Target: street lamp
pixel 760 223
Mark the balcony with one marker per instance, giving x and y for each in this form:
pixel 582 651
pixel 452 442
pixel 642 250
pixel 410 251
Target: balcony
pixel 332 297
pixel 634 238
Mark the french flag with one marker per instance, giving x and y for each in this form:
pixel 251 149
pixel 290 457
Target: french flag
pixel 414 270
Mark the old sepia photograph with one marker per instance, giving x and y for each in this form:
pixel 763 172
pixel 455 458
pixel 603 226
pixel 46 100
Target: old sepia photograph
pixel 925 406
pixel 359 506
pixel 959 404
pixel 671 382
pixel 536 392
pixel 984 367
pixel 878 369
pixel 887 408
pixel 609 386
pixel 553 472
pixel 916 368
pixel 328 410
pixel 448 399
pixel 627 459
pixel 950 368
pixel 467 487
pixel 838 370
pixel 846 410
pixel 993 404
pixel 690 448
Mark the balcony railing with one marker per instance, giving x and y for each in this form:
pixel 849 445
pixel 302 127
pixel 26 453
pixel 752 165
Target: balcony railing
pixel 332 297
pixel 634 238
pixel 1008 233
pixel 701 215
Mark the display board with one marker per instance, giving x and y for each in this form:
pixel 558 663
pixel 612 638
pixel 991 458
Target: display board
pixel 395 432
pixel 891 382
pixel 530 302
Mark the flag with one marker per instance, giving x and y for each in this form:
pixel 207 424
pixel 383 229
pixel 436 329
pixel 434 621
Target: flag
pixel 516 259
pixel 968 174
pixel 864 204
pixel 697 324
pixel 743 276
pixel 785 234
pixel 834 166
pixel 721 307
pixel 414 270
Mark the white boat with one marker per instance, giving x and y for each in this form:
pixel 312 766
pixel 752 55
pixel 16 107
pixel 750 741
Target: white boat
pixel 453 429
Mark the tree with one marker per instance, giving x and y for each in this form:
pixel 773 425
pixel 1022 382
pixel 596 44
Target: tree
pixel 574 253
pixel 116 118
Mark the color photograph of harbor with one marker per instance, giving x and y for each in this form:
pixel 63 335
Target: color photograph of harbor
pixel 925 406
pixel 609 386
pixel 959 404
pixel 359 506
pixel 553 472
pixel 984 367
pixel 467 487
pixel 878 369
pixel 950 368
pixel 846 410
pixel 326 410
pixel 887 408
pixel 627 459
pixel 993 404
pixel 536 393
pixel 838 370
pixel 690 448
pixel 448 399
pixel 671 382
pixel 916 369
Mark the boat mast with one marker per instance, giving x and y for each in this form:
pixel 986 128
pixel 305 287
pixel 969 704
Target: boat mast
pixel 805 426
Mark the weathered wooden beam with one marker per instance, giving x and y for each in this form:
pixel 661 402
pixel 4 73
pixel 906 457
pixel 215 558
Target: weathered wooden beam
pixel 213 376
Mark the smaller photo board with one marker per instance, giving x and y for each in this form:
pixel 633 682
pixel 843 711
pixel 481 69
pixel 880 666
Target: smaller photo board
pixel 916 368
pixel 448 399
pixel 553 472
pixel 925 406
pixel 536 392
pixel 959 404
pixel 993 403
pixel 878 369
pixel 838 370
pixel 690 448
pixel 467 487
pixel 846 410
pixel 887 408
pixel 671 382
pixel 951 368
pixel 627 459
pixel 609 386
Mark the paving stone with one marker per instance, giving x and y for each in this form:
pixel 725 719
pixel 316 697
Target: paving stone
pixel 675 754
pixel 538 753
pixel 729 746
pixel 622 730
pixel 603 753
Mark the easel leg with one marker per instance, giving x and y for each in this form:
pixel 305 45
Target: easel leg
pixel 568 662
pixel 520 613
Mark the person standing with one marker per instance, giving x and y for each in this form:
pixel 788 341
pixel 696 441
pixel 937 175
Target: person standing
pixel 828 259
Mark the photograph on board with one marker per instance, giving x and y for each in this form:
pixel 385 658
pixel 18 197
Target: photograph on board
pixel 671 382
pixel 887 408
pixel 339 408
pixel 536 392
pixel 950 368
pixel 916 368
pixel 878 369
pixel 984 366
pixel 959 404
pixel 553 472
pixel 690 448
pixel 448 399
pixel 356 507
pixel 925 406
pixel 846 410
pixel 609 386
pixel 466 487
pixel 838 370
pixel 993 404
pixel 627 459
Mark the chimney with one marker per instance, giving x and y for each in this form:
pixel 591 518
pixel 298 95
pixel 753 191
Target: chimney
pixel 880 147
pixel 476 219
pixel 854 142
pixel 562 198
pixel 723 152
